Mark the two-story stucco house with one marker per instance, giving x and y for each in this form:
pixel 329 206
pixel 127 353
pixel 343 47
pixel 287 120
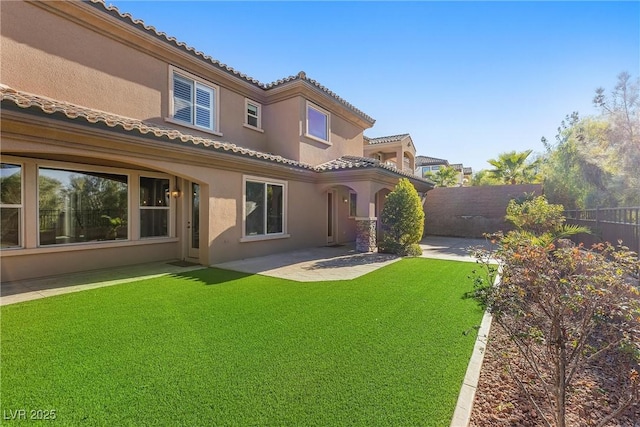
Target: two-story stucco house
pixel 121 145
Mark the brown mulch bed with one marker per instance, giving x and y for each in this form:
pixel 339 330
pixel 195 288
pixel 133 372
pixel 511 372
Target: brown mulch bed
pixel 500 402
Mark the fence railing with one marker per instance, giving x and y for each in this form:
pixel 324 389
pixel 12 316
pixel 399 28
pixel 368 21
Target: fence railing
pixel 608 225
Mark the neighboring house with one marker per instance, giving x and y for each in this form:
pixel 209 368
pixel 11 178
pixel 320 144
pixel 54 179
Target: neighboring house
pixel 426 165
pixel 121 145
pixel 395 150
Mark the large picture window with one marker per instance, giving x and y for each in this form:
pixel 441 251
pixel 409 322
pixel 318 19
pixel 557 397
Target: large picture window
pixel 80 206
pixel 154 207
pixel 10 205
pixel 194 102
pixel 264 208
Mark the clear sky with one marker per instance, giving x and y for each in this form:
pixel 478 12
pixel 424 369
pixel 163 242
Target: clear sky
pixel 467 80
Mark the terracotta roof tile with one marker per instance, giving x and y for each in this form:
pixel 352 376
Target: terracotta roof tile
pixel 384 139
pixel 355 162
pixel 71 111
pixel 424 161
pixel 75 112
pixel 127 17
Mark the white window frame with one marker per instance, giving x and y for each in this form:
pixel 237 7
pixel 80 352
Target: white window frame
pixel 171 207
pixel 258 117
pixel 203 84
pixel 8 160
pixel 285 202
pixel 310 105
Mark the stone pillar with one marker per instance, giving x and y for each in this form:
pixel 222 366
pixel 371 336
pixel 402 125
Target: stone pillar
pixel 366 234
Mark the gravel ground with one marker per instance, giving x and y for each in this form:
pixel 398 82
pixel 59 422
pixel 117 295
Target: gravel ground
pixel 500 402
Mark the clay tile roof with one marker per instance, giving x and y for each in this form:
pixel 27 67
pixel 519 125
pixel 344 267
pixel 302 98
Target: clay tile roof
pixel 303 77
pixel 467 171
pixel 425 161
pixel 51 106
pixel 457 166
pixel 126 17
pixel 355 162
pixel 383 139
pixel 75 112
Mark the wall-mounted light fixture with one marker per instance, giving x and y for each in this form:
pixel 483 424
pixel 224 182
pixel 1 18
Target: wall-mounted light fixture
pixel 175 193
pixel 345 200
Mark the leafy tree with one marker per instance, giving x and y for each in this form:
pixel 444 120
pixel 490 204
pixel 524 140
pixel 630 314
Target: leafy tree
pixel 446 176
pixel 622 111
pixel 568 311
pixel 595 159
pixel 11 189
pixel 402 221
pixel 512 168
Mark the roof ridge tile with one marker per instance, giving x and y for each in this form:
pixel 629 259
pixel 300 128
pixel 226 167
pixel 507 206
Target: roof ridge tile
pixel 126 16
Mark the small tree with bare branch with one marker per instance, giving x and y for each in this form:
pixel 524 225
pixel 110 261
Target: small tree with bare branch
pixel 569 311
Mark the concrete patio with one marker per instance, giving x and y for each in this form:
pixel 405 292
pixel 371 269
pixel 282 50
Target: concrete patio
pixel 308 265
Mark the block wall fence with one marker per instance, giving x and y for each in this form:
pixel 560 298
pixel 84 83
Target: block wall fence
pixel 471 211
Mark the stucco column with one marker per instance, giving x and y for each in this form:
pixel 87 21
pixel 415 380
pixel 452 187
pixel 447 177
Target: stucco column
pixel 366 234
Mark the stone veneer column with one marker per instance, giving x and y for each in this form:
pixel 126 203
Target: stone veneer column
pixel 366 234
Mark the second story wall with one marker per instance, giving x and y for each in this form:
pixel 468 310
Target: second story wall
pixel 84 54
pixel 49 55
pixel 345 138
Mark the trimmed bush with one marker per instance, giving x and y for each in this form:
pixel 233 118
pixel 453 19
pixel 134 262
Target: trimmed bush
pixel 402 221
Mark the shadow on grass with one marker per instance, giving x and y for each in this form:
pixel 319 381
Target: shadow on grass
pixel 351 261
pixel 212 276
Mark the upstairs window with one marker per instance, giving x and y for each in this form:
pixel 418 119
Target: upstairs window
pixel 194 102
pixel 253 114
pixel 318 123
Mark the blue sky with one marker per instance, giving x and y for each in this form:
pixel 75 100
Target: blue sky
pixel 467 80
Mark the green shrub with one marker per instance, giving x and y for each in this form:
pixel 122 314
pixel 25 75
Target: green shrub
pixel 413 250
pixel 402 220
pixel 536 215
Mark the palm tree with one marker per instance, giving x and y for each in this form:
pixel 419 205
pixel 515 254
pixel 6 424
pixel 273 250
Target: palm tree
pixel 446 176
pixel 512 167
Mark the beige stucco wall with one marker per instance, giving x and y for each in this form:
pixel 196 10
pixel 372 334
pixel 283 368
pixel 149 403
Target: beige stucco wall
pixel 53 57
pixel 282 124
pixel 56 261
pixel 45 54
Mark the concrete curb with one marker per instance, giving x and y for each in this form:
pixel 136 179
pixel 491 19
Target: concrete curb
pixel 462 414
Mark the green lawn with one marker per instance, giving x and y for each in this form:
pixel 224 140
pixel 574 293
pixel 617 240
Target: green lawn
pixel 215 347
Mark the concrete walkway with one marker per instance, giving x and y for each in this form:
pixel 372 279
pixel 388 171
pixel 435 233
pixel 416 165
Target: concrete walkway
pixel 308 265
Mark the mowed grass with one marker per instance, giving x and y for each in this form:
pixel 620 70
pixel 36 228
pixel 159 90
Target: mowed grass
pixel 215 347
